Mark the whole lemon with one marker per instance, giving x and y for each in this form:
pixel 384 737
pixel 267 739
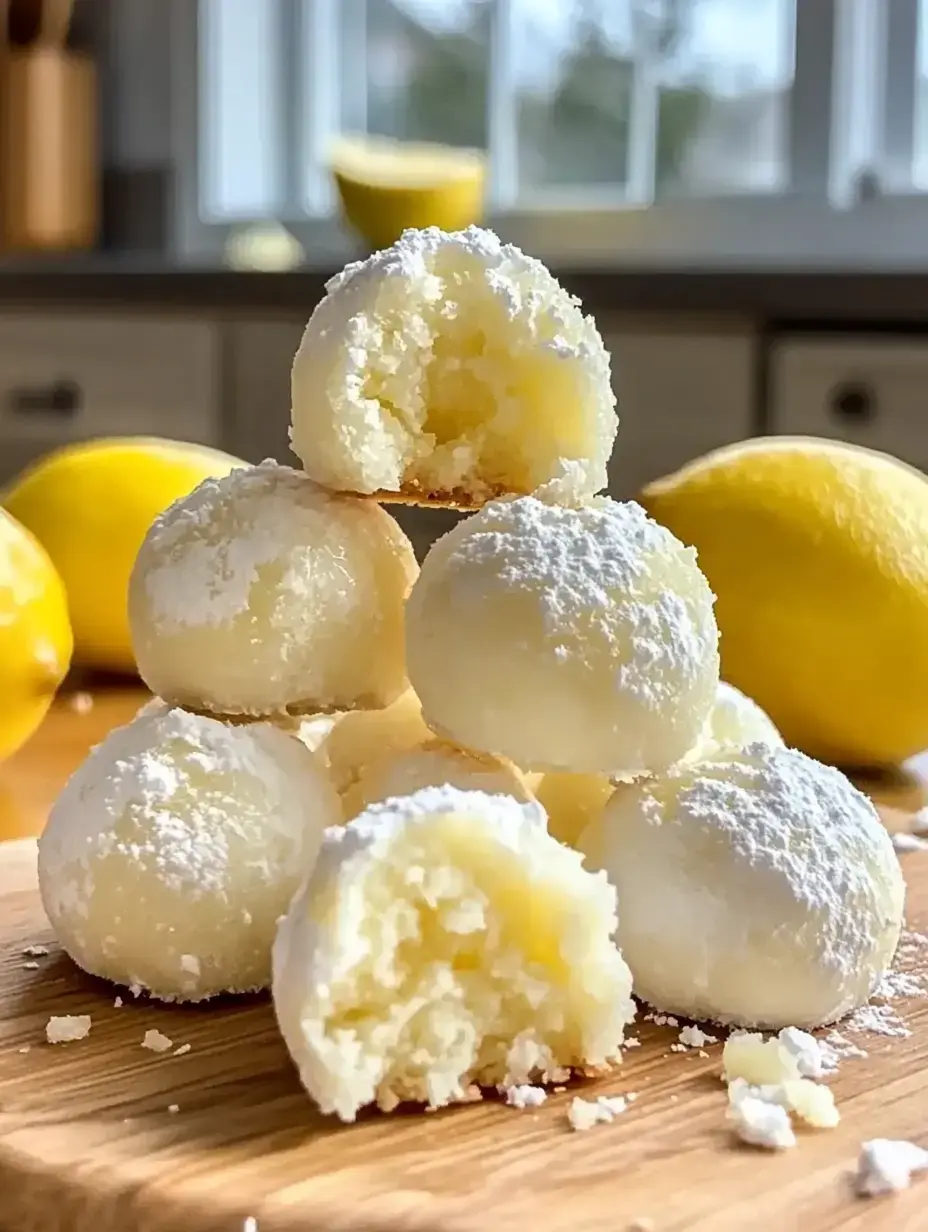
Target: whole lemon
pixel 90 505
pixel 818 553
pixel 35 636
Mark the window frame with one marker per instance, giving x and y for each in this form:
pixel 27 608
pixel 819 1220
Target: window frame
pixel 819 222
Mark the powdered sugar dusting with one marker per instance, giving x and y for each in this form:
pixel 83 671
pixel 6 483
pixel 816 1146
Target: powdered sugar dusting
pixel 591 573
pixel 769 835
pixel 464 324
pixel 204 554
pixel 523 284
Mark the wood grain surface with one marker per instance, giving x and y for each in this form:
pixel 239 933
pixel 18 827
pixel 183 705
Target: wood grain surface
pixel 89 1141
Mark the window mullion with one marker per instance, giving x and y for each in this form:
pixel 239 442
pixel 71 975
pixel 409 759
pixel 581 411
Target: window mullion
pixel 897 156
pixel 502 110
pixel 860 67
pixel 642 130
pixel 317 82
pixel 813 105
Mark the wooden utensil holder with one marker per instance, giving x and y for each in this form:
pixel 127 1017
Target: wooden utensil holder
pixel 49 167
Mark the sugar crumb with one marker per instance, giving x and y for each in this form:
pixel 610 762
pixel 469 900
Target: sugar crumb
pixel 886 1165
pixel 805 1050
pixel 908 842
pixel 136 990
pixel 585 1113
pixel 760 1123
pixel 693 1037
pixel 36 951
pixel 155 1041
pixel 250 1224
pixel 877 1020
pixel 182 1050
pixel 25 1048
pixel 525 1096
pixel 30 966
pixel 173 1108
pixel 117 1004
pixel 66 1028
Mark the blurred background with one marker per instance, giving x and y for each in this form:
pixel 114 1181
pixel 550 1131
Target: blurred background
pixel 738 189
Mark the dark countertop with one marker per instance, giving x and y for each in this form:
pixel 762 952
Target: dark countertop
pixel 768 298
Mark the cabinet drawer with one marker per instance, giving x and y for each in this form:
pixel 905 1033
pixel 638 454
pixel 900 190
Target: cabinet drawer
pixel 74 376
pixel 681 392
pixel 868 390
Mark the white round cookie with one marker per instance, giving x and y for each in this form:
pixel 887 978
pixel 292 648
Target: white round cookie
pixel 260 594
pixel 434 763
pixel 446 939
pixel 564 639
pixel 452 367
pixel 172 851
pixel 572 802
pixel 761 890
pixel 734 722
pixel 363 737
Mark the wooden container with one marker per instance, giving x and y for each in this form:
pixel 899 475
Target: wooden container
pixel 49 166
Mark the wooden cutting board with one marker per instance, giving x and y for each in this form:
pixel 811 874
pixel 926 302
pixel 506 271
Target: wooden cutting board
pixel 105 1136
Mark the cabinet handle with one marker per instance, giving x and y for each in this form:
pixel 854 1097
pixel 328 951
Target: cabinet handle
pixel 63 399
pixel 855 401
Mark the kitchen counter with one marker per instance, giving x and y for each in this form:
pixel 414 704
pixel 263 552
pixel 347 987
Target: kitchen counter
pixel 33 777
pixel 776 297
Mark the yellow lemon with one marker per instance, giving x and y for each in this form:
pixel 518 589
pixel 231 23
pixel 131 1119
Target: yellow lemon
pixel 386 186
pixel 90 505
pixel 35 636
pixel 818 553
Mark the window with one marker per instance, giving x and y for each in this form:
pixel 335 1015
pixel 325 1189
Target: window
pixel 635 131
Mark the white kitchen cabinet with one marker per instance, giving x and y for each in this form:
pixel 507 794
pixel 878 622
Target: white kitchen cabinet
pixel 683 389
pixel 868 389
pixel 77 375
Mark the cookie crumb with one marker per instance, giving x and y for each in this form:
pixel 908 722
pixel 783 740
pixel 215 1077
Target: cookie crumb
pixel 525 1096
pixel 886 1165
pixel 66 1028
pixel 155 1041
pixel 585 1113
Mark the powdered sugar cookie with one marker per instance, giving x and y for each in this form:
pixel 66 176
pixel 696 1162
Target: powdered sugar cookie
pixel 173 850
pixel 568 639
pixel 452 368
pixel 759 890
pixel 260 593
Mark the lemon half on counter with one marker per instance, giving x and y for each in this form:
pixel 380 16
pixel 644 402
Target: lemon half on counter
pixel 386 186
